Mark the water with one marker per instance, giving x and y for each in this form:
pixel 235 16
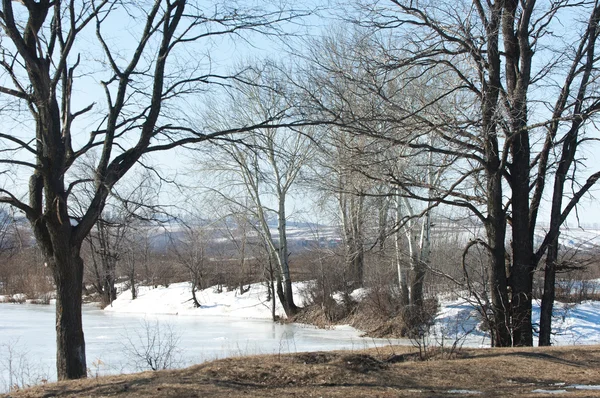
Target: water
pixel 28 331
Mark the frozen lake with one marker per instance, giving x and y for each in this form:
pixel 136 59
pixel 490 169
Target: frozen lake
pixel 29 332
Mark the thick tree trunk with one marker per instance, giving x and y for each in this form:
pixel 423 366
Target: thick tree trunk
pixel 518 55
pixel 495 222
pixel 291 308
pixel 499 292
pixel 70 353
pixel 358 253
pixel 522 286
pixel 496 233
pixel 280 293
pixel 272 297
pixel 521 277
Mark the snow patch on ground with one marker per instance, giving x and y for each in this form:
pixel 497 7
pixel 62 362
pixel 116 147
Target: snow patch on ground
pixel 542 391
pixel 464 392
pixel 573 324
pixel 585 387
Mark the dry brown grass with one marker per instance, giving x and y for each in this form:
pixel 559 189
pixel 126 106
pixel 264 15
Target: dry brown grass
pixel 388 372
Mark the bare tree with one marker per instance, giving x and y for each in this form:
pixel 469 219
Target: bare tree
pixel 135 258
pixel 237 226
pixel 10 244
pixel 265 169
pixel 490 61
pixel 45 49
pixel 109 238
pixel 190 251
pixel 368 170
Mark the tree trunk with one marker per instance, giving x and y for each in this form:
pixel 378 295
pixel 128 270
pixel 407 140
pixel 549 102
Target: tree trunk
pixel 358 260
pixel 109 292
pixel 283 256
pixel 416 290
pixel 549 295
pixel 421 257
pixel 271 288
pixel 285 294
pixel 402 269
pixel 195 280
pixel 521 276
pixel 402 275
pixel 357 264
pixel 133 286
pixel 496 233
pixel 292 309
pixel 280 293
pixel 351 209
pixel 70 353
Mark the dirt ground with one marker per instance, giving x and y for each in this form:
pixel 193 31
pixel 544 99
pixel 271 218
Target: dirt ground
pixel 383 372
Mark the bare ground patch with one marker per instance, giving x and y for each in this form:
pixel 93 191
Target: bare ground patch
pixel 383 372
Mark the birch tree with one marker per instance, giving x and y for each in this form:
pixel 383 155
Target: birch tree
pixel 264 169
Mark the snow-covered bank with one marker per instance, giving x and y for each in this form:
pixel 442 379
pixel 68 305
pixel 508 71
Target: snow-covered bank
pixel 177 299
pixel 573 323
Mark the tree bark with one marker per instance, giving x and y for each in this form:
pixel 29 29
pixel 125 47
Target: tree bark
pixel 70 353
pixel 548 295
pixel 495 222
pixel 498 282
pixel 283 255
pixel 416 291
pixel 194 298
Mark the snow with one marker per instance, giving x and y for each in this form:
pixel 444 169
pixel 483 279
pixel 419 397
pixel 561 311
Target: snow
pixel 573 324
pixel 563 391
pixel 457 321
pixel 177 299
pixel 19 297
pixel 585 387
pixel 542 391
pixel 464 392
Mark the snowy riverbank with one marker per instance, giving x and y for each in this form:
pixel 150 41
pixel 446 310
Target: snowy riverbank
pixel 573 323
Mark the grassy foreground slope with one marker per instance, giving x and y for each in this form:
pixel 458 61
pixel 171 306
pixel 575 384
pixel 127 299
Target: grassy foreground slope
pixel 388 372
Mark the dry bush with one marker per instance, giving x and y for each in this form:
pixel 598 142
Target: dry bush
pixel 153 346
pixel 380 314
pixel 26 273
pixel 19 369
pixel 328 281
pixel 576 279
